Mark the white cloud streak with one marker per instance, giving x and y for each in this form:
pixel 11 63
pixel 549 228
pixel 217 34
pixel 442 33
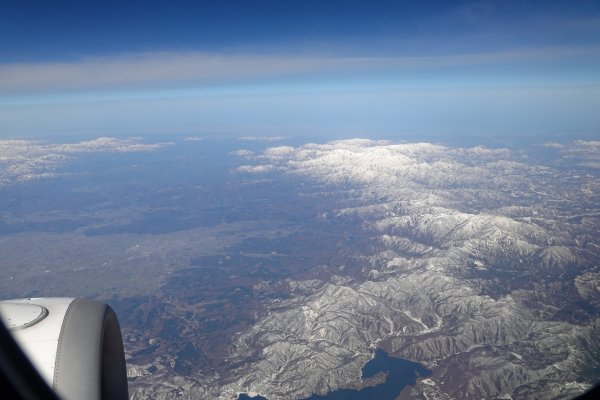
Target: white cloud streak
pixel 170 67
pixel 262 138
pixel 255 169
pixel 242 153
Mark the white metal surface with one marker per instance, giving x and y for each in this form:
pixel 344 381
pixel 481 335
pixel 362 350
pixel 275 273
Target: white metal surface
pixel 20 315
pixel 37 334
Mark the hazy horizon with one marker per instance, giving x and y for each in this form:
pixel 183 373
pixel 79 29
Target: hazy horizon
pixel 341 68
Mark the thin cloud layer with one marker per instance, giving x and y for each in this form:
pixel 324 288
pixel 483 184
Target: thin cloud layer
pixel 255 169
pixel 193 139
pixel 143 69
pixel 262 138
pixel 242 153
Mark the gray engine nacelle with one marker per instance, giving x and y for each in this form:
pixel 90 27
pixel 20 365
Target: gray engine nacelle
pixel 74 343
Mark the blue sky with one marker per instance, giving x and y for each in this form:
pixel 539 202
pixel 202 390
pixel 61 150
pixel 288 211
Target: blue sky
pixel 356 68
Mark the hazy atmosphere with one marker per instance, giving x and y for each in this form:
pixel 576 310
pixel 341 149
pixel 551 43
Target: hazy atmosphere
pixel 294 68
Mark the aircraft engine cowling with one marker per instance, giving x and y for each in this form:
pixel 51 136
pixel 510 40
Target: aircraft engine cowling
pixel 74 343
